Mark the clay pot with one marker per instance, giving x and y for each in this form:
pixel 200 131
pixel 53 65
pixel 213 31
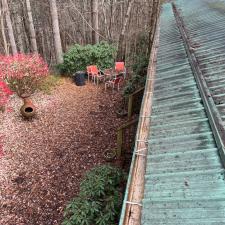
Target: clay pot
pixel 28 109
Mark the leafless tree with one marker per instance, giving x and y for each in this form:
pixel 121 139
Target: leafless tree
pixel 31 28
pixel 56 33
pixel 9 26
pixel 5 44
pixel 125 23
pixel 121 44
pixel 94 19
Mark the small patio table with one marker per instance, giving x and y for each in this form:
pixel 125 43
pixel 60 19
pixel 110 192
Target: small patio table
pixel 110 74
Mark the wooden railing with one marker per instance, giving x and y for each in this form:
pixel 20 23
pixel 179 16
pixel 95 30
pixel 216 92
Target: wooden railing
pixel 134 102
pixel 126 133
pixel 125 138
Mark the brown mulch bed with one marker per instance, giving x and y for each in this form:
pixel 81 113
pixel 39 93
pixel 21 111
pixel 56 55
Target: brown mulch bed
pixel 45 158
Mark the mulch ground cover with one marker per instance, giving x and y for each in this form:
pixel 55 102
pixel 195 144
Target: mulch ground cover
pixel 44 159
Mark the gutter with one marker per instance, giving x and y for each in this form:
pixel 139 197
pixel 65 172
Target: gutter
pixel 132 205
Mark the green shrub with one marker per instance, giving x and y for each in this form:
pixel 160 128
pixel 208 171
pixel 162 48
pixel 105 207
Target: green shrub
pixel 134 84
pixel 140 69
pixel 140 66
pixel 100 198
pixel 79 57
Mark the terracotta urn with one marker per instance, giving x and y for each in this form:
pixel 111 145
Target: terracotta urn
pixel 28 109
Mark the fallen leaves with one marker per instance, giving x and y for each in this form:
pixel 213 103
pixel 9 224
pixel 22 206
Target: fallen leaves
pixel 45 158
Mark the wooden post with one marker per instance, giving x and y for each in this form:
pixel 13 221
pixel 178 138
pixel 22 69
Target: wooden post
pixel 131 101
pixel 119 142
pixel 130 106
pixel 120 136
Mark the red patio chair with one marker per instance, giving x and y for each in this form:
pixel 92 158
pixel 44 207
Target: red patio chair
pixel 94 73
pixel 114 82
pixel 89 73
pixel 120 68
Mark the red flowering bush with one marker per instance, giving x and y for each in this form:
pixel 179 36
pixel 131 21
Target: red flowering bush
pixel 23 73
pixel 5 92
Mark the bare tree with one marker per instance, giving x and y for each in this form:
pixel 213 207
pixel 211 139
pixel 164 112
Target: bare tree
pixel 18 23
pixel 81 23
pixel 56 33
pixel 9 26
pixel 94 19
pixel 5 44
pixel 121 44
pixel 31 28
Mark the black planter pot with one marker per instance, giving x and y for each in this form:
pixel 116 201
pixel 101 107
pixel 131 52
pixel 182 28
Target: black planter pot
pixel 79 78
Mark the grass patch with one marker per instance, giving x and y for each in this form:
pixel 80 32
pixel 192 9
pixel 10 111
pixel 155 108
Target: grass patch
pixel 49 83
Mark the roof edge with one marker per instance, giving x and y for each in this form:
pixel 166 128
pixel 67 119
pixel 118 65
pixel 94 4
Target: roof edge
pixel 132 206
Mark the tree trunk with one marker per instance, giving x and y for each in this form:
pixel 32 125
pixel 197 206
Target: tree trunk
pixel 84 25
pixel 31 28
pixel 94 19
pixel 56 32
pixel 3 33
pixel 19 32
pixel 154 18
pixel 9 26
pixel 121 44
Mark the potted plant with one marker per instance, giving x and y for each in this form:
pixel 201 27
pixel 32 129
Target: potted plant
pixel 24 73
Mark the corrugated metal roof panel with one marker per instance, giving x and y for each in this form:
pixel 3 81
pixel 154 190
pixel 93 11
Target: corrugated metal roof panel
pixel 184 180
pixel 206 31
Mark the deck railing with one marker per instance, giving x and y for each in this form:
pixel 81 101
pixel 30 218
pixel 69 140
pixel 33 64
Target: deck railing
pixel 126 138
pixel 134 102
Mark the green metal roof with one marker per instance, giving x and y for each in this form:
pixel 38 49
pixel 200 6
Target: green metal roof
pixel 185 178
pixel 206 31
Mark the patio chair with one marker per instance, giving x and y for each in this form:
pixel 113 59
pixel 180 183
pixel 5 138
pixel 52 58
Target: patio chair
pixel 90 75
pixel 94 73
pixel 120 68
pixel 114 82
